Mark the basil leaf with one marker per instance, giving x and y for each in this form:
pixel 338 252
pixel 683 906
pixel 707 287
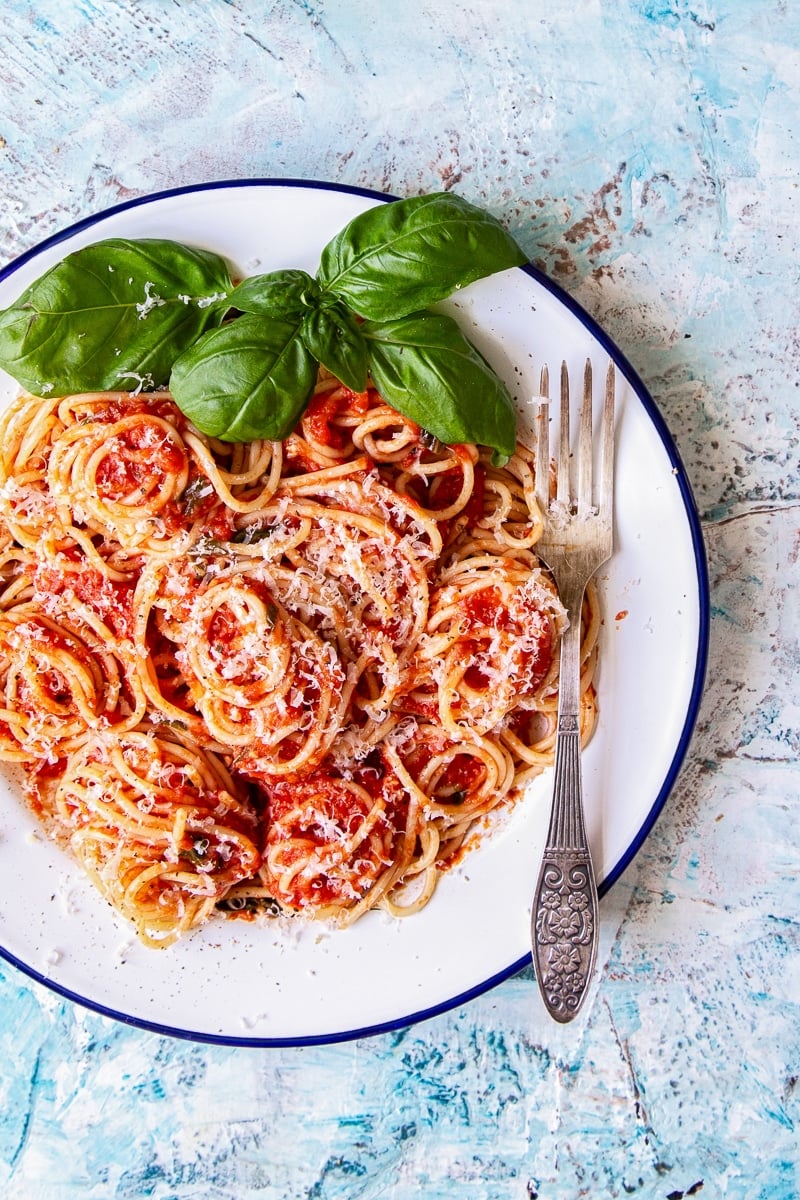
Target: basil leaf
pixel 252 534
pixel 278 294
pixel 333 336
pixel 250 379
pixel 112 314
pixel 399 257
pixel 424 366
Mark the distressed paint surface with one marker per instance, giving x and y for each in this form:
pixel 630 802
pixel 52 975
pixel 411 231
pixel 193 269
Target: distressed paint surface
pixel 647 155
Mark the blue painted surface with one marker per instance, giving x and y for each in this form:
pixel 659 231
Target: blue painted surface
pixel 647 155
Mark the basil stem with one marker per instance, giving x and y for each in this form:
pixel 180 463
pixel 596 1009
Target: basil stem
pixel 333 336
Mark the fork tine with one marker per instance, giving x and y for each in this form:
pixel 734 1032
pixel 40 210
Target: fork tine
pixel 562 477
pixel 607 461
pixel 584 505
pixel 542 463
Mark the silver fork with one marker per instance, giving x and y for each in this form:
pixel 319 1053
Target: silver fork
pixel 577 539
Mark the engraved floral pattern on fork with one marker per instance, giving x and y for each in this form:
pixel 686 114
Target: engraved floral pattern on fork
pixel 565 928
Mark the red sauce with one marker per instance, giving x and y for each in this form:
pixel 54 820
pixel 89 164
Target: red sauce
pixel 462 776
pixel 112 601
pixel 475 508
pixel 446 488
pixel 41 641
pixel 219 524
pixel 224 634
pixel 117 406
pixel 475 677
pixel 139 458
pixel 311 821
pixel 485 609
pixel 171 682
pixel 323 409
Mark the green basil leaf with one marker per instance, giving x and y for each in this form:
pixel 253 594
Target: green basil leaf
pixel 252 534
pixel 403 256
pixel 111 315
pixel 278 294
pixel 334 338
pixel 424 366
pixel 251 378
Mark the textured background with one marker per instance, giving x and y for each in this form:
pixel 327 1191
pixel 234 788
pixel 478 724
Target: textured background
pixel 647 154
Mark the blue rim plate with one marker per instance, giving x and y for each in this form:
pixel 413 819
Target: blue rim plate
pixel 293 983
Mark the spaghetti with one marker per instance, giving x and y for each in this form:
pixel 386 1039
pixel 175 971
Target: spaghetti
pixel 295 676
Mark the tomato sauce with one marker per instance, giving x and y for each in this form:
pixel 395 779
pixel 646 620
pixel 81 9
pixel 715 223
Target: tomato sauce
pixel 323 409
pixel 139 459
pixel 462 775
pixel 172 683
pixel 531 638
pixel 312 820
pixel 219 523
pixel 112 601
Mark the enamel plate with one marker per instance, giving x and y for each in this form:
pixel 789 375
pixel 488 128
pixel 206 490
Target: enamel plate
pixel 290 982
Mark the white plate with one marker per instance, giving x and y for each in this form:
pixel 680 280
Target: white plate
pixel 272 984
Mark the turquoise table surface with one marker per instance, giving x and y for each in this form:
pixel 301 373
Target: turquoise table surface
pixel 646 154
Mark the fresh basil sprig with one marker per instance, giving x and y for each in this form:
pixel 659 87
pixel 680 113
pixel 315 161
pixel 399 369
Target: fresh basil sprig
pixel 241 361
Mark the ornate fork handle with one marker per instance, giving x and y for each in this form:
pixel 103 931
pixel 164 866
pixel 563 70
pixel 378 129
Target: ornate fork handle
pixel 564 915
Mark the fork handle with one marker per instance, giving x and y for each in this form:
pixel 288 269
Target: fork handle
pixel 565 906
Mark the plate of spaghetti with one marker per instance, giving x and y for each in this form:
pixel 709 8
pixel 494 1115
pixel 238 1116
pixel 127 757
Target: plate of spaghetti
pixel 277 715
